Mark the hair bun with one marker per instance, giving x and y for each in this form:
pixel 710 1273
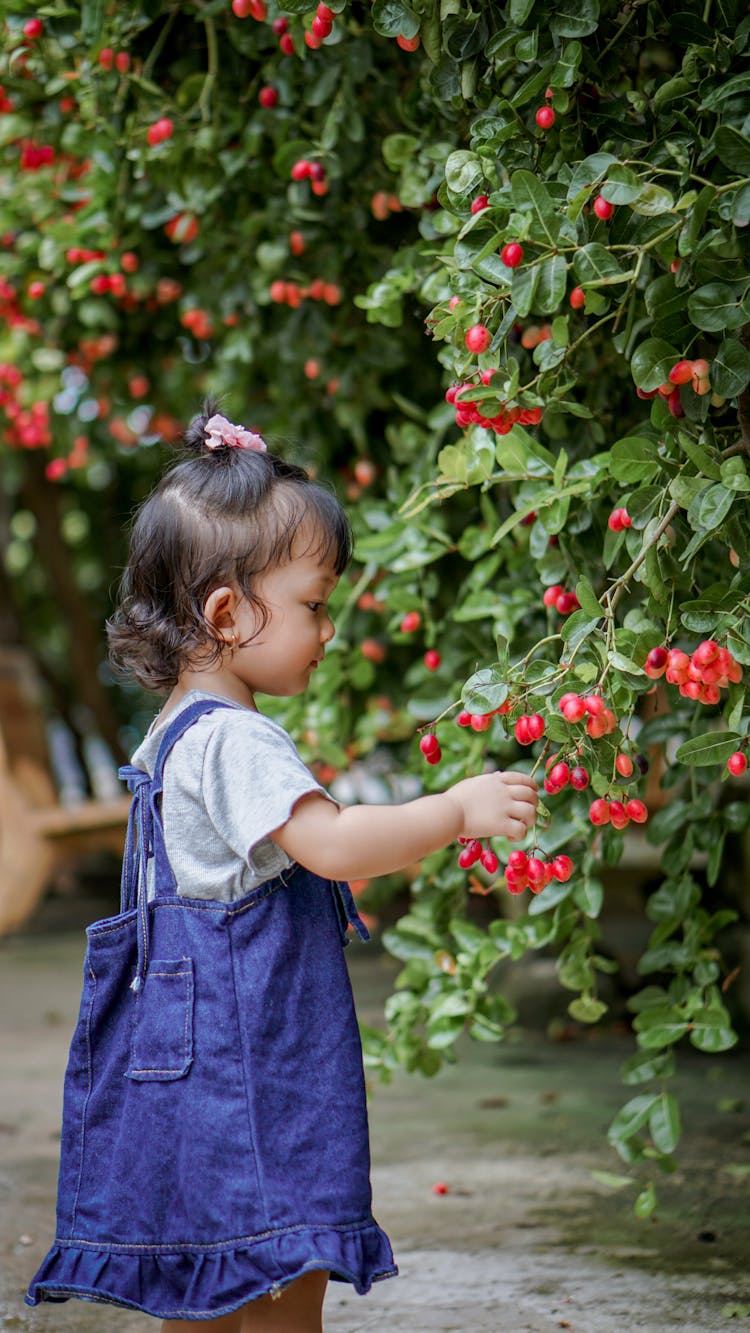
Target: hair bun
pixel 194 436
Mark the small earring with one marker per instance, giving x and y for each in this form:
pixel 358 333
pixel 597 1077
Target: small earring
pixel 235 642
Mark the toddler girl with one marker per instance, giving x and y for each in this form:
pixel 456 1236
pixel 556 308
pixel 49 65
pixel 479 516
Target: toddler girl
pixel 214 1158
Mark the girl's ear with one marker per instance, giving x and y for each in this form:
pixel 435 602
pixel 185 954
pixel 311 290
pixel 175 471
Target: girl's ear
pixel 219 610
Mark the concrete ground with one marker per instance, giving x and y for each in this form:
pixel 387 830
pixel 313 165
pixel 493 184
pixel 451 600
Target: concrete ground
pixel 524 1241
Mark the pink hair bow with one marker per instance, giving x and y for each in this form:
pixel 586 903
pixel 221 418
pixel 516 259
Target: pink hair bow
pixel 220 432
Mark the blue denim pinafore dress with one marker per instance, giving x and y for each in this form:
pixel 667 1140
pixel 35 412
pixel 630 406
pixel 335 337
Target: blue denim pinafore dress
pixel 214 1141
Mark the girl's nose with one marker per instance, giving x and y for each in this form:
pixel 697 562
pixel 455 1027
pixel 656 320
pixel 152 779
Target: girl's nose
pixel 328 630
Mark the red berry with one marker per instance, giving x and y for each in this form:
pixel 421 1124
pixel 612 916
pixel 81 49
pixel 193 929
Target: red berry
pixel 515 884
pixel 521 731
pixel 579 779
pixel 32 29
pixel 464 718
pixel 122 61
pixel 594 704
pixel 562 868
pixel 681 372
pixel 242 8
pixel 551 594
pixel 481 721
pixel 737 763
pixel 106 57
pixel 512 254
pixel 36 290
pixel 566 602
pixel 323 12
pixel 545 117
pixel 624 765
pixel 321 28
pixel 470 854
pixel 559 775
pixel 577 297
pixel 478 339
pixel 535 871
pixel 637 811
pixel 480 203
pixel 268 96
pixel 656 663
pixel 572 708
pixel 489 861
pixel 280 25
pixel 440 1187
pixel 435 757
pixel 432 659
pixel 408 43
pixel 706 653
pixel 429 743
pixel 286 44
pixel 518 861
pixel 411 621
pixel 599 811
pixel 536 726
pixel 603 208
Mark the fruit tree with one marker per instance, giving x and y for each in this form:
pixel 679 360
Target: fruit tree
pixel 487 264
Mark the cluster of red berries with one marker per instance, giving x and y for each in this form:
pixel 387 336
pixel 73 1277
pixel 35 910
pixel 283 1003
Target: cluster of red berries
pixel 600 720
pixel 35 155
pixel 102 283
pixel 481 721
pixel 559 775
pixel 699 677
pixel 619 520
pixel 472 851
pixel 322 26
pixel 161 130
pixel 695 373
pixel 618 813
pixel 382 205
pixel 534 872
pixel 529 728
pixel 108 58
pixel 563 602
pixel 292 294
pixel 315 172
pixel 469 414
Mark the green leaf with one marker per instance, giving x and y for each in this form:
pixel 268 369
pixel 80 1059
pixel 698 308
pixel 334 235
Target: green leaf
pixel 664 1123
pixel 631 1117
pixel 594 265
pixel 634 459
pixel 652 201
pixel 622 185
pixel 712 507
pixel 713 747
pixel 586 1009
pixel 714 307
pixel 611 1180
pixel 529 194
pixel 645 1204
pixel 486 689
pixel 551 284
pixel 523 288
pixel 730 368
pixel 92 20
pixel 464 172
pixel 391 18
pixel 732 149
pixel 651 363
pixel 588 598
pixel 734 474
pixel 574 18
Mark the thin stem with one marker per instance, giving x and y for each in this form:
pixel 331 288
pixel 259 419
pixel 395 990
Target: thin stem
pixel 618 588
pixel 158 45
pixel 213 68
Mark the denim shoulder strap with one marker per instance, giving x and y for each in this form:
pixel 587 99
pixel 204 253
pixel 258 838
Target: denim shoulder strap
pixel 145 821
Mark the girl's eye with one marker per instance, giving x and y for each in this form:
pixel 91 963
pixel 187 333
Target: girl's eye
pixel 314 606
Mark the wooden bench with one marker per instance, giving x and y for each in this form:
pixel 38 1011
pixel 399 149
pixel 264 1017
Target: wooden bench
pixel 38 834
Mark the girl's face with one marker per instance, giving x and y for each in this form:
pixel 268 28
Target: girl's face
pixel 281 659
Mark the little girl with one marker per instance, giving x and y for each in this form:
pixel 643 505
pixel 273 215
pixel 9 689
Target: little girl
pixel 214 1157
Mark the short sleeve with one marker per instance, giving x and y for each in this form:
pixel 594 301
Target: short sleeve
pixel 252 778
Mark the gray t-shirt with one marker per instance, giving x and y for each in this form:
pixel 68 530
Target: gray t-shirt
pixel 229 781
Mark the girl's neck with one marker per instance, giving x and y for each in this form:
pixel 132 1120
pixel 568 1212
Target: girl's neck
pixel 216 681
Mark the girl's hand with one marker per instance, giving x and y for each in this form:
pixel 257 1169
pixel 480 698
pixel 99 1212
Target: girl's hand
pixel 496 805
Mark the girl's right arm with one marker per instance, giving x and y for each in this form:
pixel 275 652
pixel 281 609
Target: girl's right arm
pixel 361 841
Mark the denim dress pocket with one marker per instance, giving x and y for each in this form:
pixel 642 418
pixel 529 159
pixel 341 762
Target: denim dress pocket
pixel 162 1039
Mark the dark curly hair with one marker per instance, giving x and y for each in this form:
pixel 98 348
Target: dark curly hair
pixel 218 516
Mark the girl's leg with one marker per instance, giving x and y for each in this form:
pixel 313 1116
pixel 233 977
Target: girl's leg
pixel 298 1309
